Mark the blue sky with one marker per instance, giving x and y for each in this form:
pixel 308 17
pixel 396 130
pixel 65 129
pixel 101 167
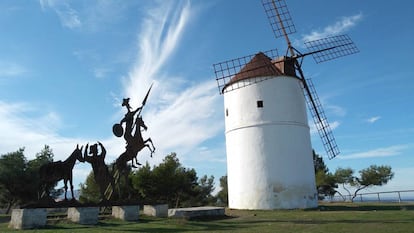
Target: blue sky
pixel 66 65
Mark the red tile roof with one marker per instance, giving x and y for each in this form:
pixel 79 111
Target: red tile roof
pixel 261 66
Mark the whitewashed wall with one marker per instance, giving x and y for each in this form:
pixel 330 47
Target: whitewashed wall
pixel 269 154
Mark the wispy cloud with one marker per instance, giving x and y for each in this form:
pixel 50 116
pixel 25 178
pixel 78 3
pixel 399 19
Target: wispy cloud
pixel 27 127
pixel 69 17
pixel 10 69
pixel 379 152
pixel 339 27
pixel 373 119
pixel 162 29
pixel 332 125
pixel 180 114
pixel 24 125
pixel 101 72
pixel 94 16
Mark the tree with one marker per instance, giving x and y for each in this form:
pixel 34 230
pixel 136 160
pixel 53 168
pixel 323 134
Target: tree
pixel 32 172
pixel 145 184
pixel 89 191
pixel 171 183
pixel 12 178
pixel 203 191
pixel 19 178
pixel 371 176
pixel 325 181
pixel 345 177
pixel 222 195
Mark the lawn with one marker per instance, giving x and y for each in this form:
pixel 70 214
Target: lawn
pixel 327 218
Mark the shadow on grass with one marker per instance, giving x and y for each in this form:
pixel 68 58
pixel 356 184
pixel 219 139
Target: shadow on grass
pixel 211 218
pixel 202 224
pixel 363 207
pixel 4 218
pixel 330 221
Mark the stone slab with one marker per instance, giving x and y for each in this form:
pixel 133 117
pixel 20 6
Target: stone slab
pixel 160 211
pixel 83 215
pixel 126 213
pixel 28 218
pixel 196 212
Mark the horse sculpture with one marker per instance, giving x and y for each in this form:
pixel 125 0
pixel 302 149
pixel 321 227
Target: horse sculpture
pixel 134 145
pixel 133 137
pixel 137 143
pixel 132 134
pixel 53 172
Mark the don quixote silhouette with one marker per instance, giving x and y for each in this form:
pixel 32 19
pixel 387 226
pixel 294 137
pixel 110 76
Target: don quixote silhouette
pixel 107 178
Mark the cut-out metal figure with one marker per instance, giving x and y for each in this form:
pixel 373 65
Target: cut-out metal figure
pixel 100 171
pixel 53 172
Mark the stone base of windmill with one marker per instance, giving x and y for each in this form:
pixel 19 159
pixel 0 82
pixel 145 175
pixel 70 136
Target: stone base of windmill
pixel 126 213
pixel 160 211
pixel 83 215
pixel 28 218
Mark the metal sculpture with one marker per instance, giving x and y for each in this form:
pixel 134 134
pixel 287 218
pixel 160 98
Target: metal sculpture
pixel 100 171
pixel 130 127
pixel 134 142
pixel 132 134
pixel 53 172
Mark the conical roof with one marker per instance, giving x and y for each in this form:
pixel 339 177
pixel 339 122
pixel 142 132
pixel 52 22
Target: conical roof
pixel 259 66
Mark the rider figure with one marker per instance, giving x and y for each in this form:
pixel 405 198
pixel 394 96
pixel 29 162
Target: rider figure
pixel 129 120
pixel 133 140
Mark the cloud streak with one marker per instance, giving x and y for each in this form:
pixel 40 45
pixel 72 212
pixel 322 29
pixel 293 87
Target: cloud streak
pixel 373 119
pixel 180 114
pixel 314 130
pixel 69 17
pixel 31 127
pixel 376 153
pixel 24 126
pixel 10 69
pixel 157 41
pixel 339 27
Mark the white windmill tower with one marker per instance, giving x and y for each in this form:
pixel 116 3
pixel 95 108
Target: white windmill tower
pixel 268 146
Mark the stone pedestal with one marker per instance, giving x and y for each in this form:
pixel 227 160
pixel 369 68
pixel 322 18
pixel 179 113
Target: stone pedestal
pixel 126 213
pixel 160 211
pixel 83 215
pixel 28 218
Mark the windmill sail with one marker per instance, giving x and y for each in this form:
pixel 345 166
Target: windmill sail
pixel 279 17
pixel 332 47
pixel 319 118
pixel 322 50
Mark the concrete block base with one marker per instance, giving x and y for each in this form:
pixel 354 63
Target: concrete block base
pixel 83 215
pixel 196 212
pixel 160 211
pixel 126 213
pixel 28 218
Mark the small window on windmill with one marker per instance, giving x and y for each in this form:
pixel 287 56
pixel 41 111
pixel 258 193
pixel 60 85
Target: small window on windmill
pixel 227 112
pixel 260 103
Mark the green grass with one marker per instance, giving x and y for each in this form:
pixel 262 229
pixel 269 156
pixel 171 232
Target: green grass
pixel 336 218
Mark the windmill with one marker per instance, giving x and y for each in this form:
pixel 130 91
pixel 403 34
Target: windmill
pixel 269 158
